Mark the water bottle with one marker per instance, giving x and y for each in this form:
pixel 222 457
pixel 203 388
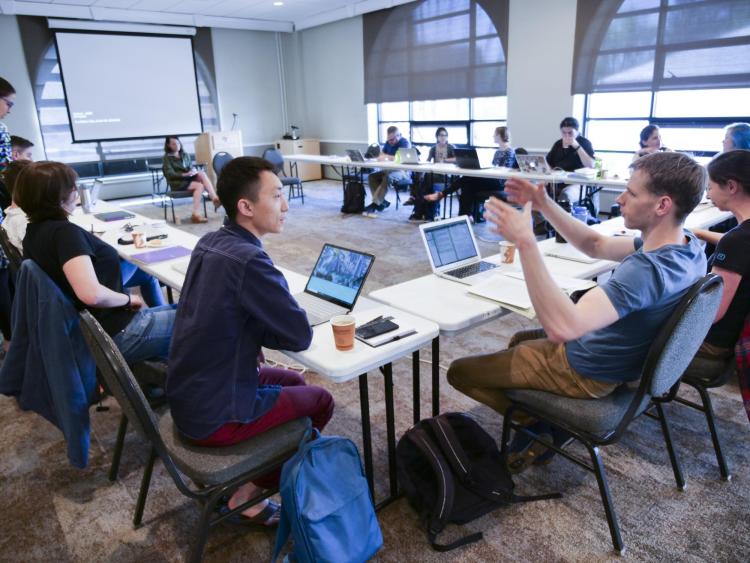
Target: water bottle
pixel 580 213
pixel 84 192
pixel 565 204
pixel 598 166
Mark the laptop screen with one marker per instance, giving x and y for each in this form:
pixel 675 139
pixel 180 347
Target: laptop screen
pixel 450 243
pixel 339 275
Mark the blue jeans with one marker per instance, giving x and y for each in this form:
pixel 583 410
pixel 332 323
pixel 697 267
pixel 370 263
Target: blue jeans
pixel 133 276
pixel 148 335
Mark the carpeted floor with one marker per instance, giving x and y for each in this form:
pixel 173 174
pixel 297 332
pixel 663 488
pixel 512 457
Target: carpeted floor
pixel 50 511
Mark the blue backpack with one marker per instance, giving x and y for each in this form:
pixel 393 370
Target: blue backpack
pixel 326 505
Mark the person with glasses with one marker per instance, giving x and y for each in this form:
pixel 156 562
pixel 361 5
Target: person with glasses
pixel 7 97
pixel 441 151
pixel 85 268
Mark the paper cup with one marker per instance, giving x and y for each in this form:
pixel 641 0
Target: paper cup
pixel 507 251
pixel 139 239
pixel 343 331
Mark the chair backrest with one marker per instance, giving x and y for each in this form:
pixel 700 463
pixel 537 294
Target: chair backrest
pixel 676 344
pixel 276 158
pixel 12 253
pixel 220 160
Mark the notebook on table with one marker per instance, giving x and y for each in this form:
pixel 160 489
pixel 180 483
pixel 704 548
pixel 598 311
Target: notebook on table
pixel 453 252
pixel 335 283
pixel 114 216
pixel 161 255
pixel 567 251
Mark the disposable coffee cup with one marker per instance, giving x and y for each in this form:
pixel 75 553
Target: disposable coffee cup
pixel 343 331
pixel 507 251
pixel 139 239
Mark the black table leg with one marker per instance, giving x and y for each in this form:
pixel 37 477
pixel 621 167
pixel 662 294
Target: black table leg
pixel 436 376
pixel 415 385
pixel 390 423
pixel 170 295
pixel 364 403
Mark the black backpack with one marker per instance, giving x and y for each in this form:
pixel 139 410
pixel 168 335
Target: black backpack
pixel 451 471
pixel 354 197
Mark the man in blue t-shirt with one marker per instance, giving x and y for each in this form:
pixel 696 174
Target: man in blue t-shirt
pixel 379 180
pixel 601 341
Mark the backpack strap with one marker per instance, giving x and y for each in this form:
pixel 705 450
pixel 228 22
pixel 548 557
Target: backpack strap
pixel 282 534
pixel 444 504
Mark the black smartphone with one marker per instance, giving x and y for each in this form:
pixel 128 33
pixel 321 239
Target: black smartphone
pixel 376 329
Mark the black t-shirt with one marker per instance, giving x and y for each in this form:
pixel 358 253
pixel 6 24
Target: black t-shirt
pixel 52 243
pixel 732 254
pixel 568 159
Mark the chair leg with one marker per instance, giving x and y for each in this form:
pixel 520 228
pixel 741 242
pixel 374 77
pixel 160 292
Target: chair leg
pixel 119 445
pixel 145 484
pixel 302 193
pixel 164 205
pixel 174 219
pixel 201 534
pixel 205 212
pixel 708 409
pixel 609 509
pixel 678 476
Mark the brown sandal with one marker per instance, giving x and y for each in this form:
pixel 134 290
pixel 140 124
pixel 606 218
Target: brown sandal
pixel 198 219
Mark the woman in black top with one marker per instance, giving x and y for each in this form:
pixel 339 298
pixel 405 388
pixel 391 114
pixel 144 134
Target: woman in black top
pixel 85 268
pixel 729 189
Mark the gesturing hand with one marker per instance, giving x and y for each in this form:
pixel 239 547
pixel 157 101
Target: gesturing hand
pixel 521 191
pixel 514 226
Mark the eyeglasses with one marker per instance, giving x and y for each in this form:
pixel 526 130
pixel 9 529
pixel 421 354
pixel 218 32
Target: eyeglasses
pixel 8 102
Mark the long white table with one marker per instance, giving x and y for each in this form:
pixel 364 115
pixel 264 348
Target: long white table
pixel 321 356
pixel 498 173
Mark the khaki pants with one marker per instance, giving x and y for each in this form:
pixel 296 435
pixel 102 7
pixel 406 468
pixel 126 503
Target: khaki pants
pixel 537 364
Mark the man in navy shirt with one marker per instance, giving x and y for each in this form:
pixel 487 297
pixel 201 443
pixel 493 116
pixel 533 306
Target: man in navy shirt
pixel 379 180
pixel 601 341
pixel 233 302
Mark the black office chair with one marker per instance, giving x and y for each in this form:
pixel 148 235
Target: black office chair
pixel 220 160
pixel 11 252
pixel 601 422
pixel 295 184
pixel 216 472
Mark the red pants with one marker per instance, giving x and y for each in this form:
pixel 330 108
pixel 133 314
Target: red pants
pixel 296 400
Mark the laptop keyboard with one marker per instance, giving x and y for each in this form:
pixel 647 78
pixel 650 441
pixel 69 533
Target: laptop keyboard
pixel 471 269
pixel 318 310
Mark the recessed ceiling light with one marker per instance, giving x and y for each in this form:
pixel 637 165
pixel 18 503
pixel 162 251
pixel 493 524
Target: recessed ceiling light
pixel 278 3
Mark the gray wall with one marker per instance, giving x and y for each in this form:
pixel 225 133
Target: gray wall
pixel 23 120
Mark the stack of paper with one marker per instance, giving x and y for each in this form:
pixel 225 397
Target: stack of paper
pixel 510 290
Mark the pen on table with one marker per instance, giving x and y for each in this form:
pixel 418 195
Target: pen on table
pixel 400 336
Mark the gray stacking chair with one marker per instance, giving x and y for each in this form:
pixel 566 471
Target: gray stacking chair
pixel 295 184
pixel 216 472
pixel 601 422
pixel 702 375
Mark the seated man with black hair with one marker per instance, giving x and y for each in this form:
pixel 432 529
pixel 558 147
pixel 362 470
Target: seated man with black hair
pixel 236 301
pixel 601 341
pixel 20 148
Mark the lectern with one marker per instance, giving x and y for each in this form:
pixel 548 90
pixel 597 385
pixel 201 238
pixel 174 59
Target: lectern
pixel 209 143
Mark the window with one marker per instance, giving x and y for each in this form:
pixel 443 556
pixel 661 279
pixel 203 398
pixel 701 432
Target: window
pixel 55 125
pixel 469 121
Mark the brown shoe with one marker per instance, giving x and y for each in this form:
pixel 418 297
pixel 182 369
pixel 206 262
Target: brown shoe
pixel 198 219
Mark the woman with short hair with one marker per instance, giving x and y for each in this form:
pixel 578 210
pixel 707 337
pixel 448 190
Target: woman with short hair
pixel 736 136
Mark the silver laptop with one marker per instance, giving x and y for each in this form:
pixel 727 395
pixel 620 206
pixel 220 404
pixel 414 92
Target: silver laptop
pixel 533 164
pixel 453 250
pixel 409 156
pixel 335 283
pixel 355 155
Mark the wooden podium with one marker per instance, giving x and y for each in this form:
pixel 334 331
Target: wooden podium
pixel 305 171
pixel 209 143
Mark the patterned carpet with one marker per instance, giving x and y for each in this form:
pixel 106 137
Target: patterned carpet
pixel 50 511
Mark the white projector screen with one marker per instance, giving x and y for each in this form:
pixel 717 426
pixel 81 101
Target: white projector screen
pixel 128 86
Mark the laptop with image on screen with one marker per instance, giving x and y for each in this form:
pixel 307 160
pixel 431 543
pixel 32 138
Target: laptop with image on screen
pixel 409 156
pixel 355 155
pixel 335 283
pixel 453 251
pixel 469 159
pixel 533 164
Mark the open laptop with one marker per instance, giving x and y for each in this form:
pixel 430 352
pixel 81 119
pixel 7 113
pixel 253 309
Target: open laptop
pixel 453 250
pixel 335 283
pixel 356 155
pixel 469 159
pixel 409 156
pixel 533 164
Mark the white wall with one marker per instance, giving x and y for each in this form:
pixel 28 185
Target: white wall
pixel 540 63
pixel 324 69
pixel 247 83
pixel 22 120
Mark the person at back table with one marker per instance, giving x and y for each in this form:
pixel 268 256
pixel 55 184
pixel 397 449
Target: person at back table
pixel 441 151
pixel 378 181
pixel 650 141
pixel 85 268
pixel 571 152
pixel 182 175
pixel 236 300
pixel 601 341
pixel 736 136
